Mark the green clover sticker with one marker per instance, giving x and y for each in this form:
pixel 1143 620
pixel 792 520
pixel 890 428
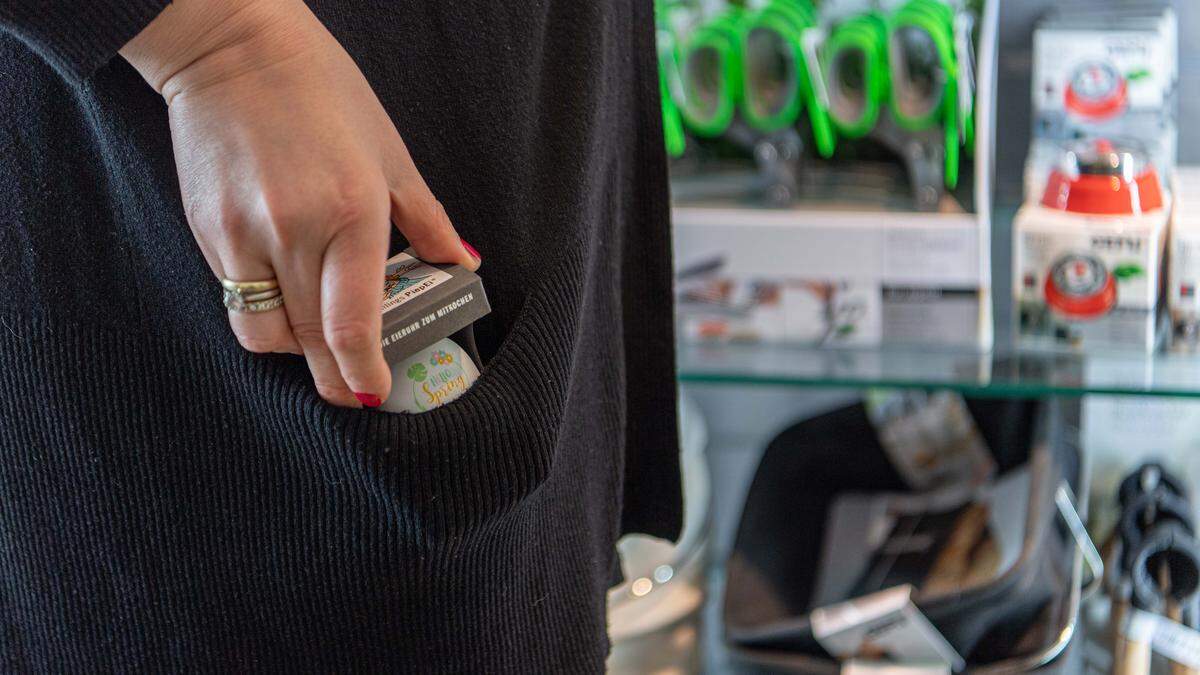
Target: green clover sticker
pixel 416 372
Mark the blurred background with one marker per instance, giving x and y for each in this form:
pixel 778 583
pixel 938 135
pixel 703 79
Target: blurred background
pixel 937 330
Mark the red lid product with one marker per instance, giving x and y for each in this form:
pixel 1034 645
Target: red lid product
pixel 1096 178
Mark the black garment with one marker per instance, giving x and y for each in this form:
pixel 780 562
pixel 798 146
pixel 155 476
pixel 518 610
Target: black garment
pixel 169 501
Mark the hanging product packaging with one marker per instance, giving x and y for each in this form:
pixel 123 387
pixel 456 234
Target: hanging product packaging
pixel 930 437
pixel 427 338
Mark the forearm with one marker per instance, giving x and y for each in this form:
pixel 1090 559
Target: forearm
pixel 191 33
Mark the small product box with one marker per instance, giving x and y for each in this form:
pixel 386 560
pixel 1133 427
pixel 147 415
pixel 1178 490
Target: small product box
pixel 1103 70
pixel 428 310
pixel 1183 295
pixel 1088 258
pixel 1090 243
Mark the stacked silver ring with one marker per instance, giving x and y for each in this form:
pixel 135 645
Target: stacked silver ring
pixel 251 296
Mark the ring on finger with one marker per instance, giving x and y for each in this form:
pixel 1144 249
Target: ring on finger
pixel 251 296
pixel 253 306
pixel 264 295
pixel 244 287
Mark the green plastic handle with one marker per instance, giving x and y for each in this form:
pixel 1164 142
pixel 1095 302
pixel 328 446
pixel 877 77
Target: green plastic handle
pixel 665 13
pixel 866 34
pixel 712 68
pixel 935 19
pixel 672 123
pixel 783 22
pixel 818 117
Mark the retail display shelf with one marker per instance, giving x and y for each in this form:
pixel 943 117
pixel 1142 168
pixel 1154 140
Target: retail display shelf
pixel 1007 372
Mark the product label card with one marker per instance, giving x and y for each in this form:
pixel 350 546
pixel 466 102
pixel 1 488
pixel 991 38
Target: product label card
pixel 931 439
pixel 1177 642
pixel 883 624
pixel 406 278
pixel 868 667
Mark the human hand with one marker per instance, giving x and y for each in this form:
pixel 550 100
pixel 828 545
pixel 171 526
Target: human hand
pixel 289 167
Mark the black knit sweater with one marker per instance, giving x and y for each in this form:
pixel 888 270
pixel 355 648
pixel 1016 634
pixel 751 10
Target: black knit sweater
pixel 171 502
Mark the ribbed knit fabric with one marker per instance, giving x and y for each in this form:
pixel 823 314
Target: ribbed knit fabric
pixel 171 502
pixel 78 36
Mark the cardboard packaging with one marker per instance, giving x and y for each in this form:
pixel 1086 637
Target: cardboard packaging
pixel 425 302
pixel 1088 258
pixel 832 278
pixel 1183 296
pixel 1104 71
pixel 885 242
pixel 427 338
pixel 1090 243
pixel 1118 261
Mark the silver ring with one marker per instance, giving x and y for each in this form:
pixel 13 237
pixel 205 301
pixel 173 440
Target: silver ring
pixel 258 305
pixel 253 303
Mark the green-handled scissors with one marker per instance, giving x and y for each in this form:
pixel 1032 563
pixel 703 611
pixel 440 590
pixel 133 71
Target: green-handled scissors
pixel 924 76
pixel 776 84
pixel 854 67
pixel 711 73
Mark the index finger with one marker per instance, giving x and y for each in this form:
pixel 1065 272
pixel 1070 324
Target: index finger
pixel 351 293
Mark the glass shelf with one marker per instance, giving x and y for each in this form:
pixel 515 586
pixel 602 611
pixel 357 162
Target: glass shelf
pixel 1001 373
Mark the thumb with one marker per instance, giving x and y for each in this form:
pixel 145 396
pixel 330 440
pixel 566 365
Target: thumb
pixel 423 221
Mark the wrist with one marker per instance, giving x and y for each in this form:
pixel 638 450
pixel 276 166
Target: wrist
pixel 195 41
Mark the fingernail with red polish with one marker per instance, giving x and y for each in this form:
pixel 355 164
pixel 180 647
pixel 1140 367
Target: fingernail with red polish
pixel 368 400
pixel 471 250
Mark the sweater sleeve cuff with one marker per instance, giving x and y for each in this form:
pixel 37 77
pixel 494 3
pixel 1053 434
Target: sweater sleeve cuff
pixel 77 37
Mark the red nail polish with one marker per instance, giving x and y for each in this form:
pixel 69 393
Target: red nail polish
pixel 368 400
pixel 471 250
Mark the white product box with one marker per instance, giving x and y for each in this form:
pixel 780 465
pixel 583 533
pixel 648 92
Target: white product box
pixel 1088 281
pixel 1081 70
pixel 1183 284
pixel 832 277
pixel 1099 73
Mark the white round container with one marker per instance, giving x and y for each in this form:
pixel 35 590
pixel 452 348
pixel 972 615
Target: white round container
pixel 430 378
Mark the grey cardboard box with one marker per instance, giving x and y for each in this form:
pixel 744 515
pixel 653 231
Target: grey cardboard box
pixel 425 302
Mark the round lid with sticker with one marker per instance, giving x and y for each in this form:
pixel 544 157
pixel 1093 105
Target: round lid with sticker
pixel 1079 286
pixel 1096 91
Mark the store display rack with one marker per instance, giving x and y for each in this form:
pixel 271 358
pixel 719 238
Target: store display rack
pixel 1008 373
pixel 1007 370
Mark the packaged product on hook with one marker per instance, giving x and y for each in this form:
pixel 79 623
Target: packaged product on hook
pixel 428 310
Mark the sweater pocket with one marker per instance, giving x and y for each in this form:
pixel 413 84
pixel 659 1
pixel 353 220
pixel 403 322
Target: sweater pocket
pixel 479 457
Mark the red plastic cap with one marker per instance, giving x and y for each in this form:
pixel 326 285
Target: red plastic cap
pixel 1080 287
pixel 1103 195
pixel 1101 177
